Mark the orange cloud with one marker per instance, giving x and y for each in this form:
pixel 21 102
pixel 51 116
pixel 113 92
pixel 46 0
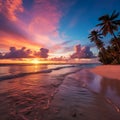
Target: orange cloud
pixel 18 42
pixel 43 24
pixel 33 28
pixel 10 7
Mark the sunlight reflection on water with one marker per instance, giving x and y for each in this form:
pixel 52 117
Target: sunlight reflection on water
pixel 30 97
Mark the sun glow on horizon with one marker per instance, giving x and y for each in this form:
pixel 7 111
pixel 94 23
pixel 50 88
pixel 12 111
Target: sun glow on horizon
pixel 35 61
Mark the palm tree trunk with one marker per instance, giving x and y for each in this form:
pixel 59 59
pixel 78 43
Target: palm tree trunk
pixel 103 55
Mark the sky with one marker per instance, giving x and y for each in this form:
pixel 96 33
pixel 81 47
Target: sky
pixel 50 28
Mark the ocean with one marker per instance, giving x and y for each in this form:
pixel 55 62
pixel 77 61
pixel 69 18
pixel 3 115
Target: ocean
pixel 18 70
pixel 57 92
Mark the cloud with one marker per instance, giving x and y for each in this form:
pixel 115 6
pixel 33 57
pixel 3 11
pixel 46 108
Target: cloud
pixel 9 27
pixel 45 20
pixel 35 27
pixel 82 52
pixel 1 55
pixel 12 32
pixel 43 53
pixel 15 28
pixel 24 53
pixel 61 58
pixel 15 34
pixel 46 17
pixel 9 8
pixel 17 53
pixel 60 45
pixel 8 40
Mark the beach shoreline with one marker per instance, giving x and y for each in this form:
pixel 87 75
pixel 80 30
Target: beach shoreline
pixel 64 93
pixel 108 71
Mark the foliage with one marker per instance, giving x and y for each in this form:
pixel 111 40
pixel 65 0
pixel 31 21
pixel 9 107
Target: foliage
pixel 108 54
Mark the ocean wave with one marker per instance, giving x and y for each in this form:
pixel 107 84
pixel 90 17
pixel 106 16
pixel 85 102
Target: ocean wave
pixel 6 77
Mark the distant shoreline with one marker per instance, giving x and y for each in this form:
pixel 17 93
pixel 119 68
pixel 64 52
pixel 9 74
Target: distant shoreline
pixel 5 64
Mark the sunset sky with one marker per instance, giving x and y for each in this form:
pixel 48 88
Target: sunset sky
pixel 56 26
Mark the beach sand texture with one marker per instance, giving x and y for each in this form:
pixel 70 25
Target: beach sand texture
pixel 109 71
pixel 64 94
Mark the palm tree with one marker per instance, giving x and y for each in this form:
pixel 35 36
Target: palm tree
pixel 118 36
pixel 115 52
pixel 109 24
pixel 95 37
pixel 113 42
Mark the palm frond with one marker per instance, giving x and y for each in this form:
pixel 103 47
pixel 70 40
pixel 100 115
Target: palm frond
pixel 114 15
pixel 104 31
pixel 116 22
pixel 104 17
pixel 100 24
pixel 114 27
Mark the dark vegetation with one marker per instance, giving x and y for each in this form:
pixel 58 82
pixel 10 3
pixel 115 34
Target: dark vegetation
pixel 109 53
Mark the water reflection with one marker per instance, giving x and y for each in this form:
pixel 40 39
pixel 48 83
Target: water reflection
pixel 4 70
pixel 112 84
pixel 14 69
pixel 108 88
pixel 29 97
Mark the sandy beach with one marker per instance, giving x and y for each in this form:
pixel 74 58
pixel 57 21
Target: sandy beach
pixel 64 93
pixel 109 71
pixel 59 59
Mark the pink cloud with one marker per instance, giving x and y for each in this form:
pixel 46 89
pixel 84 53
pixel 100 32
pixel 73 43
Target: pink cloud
pixel 44 22
pixel 0 5
pixel 9 40
pixel 10 7
pixel 41 30
pixel 36 27
pixel 46 17
pixel 82 52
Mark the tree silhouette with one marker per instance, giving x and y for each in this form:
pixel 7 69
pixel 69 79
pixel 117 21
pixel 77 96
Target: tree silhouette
pixel 95 37
pixel 108 54
pixel 109 24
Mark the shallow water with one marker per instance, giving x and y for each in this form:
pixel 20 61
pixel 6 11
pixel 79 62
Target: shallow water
pixel 67 92
pixel 109 89
pixel 15 69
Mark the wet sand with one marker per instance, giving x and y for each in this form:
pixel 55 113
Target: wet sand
pixel 109 71
pixel 65 94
